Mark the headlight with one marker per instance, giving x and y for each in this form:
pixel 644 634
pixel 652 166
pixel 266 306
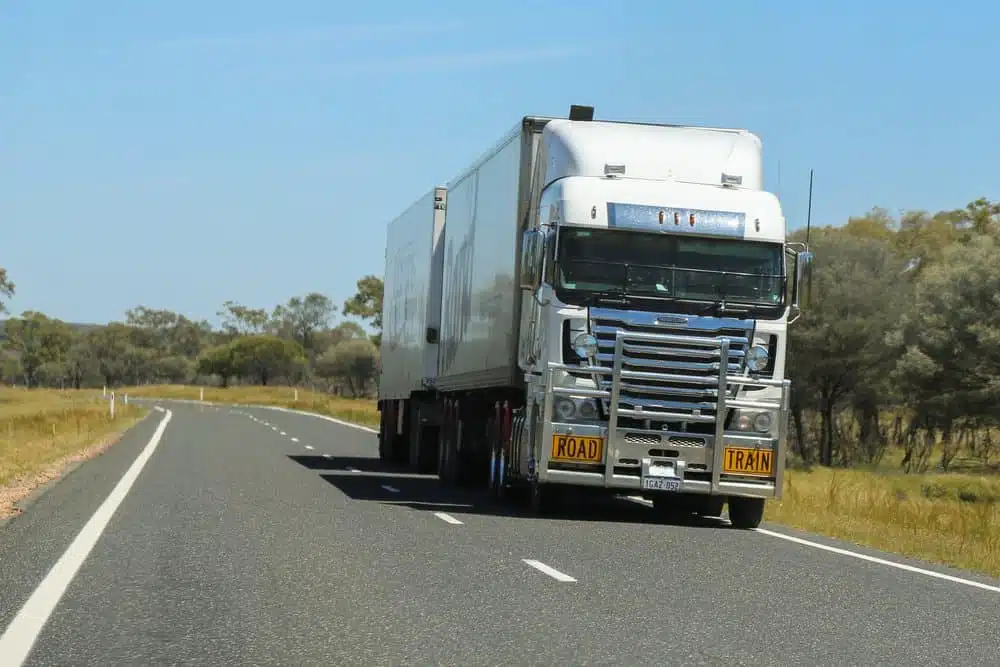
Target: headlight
pixel 585 346
pixel 587 409
pixel 567 409
pixel 757 358
pixel 564 408
pixel 762 422
pixel 751 421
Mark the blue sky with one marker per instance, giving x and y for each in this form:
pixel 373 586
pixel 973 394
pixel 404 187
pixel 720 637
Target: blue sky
pixel 181 155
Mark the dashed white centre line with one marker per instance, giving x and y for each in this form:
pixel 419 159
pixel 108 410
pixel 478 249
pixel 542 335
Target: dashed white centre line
pixel 310 447
pixel 283 433
pixel 390 489
pixel 296 440
pixel 447 518
pixel 551 571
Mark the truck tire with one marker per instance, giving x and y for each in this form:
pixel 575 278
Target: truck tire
pixel 428 455
pixel 447 454
pixel 539 500
pixel 384 439
pixel 746 513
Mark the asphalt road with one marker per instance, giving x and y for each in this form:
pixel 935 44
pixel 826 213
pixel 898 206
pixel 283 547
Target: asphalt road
pixel 254 536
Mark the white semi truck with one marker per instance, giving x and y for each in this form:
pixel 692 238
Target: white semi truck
pixel 596 305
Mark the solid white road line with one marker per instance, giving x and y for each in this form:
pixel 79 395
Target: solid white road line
pixel 350 469
pixel 20 636
pixel 390 489
pixel 880 561
pixel 296 440
pixel 447 518
pixel 551 571
pixel 860 556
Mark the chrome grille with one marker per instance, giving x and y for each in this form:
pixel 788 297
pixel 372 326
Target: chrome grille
pixel 678 377
pixel 642 439
pixel 686 442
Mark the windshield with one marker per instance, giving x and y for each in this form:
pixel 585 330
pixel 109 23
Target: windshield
pixel 641 265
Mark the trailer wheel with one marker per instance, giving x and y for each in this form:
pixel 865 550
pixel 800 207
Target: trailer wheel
pixel 446 446
pixel 746 513
pixel 384 438
pixel 491 484
pixel 502 438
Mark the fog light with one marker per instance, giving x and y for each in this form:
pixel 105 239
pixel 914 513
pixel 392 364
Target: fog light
pixel 762 422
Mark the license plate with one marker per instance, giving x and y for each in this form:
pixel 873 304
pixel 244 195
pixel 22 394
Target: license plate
pixel 661 484
pixel 746 461
pixel 576 448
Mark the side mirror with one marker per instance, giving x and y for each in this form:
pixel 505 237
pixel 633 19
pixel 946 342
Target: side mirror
pixel 532 249
pixel 802 296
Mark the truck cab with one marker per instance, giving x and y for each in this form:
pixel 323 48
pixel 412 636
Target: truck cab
pixel 657 289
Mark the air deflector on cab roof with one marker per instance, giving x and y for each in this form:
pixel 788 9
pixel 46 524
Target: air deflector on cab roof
pixel 578 112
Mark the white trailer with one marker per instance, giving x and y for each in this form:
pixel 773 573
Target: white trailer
pixel 410 319
pixel 614 307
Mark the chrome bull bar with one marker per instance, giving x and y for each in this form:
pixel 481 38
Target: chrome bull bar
pixel 722 382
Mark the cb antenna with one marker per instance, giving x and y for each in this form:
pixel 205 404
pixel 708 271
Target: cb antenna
pixel 809 211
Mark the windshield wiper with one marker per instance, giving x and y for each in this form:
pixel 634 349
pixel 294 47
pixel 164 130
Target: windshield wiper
pixel 609 297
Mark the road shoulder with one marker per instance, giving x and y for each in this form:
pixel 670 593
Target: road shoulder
pixel 32 541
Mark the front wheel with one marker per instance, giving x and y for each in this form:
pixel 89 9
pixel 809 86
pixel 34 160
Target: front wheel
pixel 746 513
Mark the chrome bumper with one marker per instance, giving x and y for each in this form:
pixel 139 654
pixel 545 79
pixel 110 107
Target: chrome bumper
pixel 631 454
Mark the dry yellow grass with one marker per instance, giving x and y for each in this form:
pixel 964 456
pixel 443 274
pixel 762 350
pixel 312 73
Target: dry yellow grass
pixel 952 519
pixel 42 431
pixel 359 411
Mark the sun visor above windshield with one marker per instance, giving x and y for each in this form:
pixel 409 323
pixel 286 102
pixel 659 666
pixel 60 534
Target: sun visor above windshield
pixel 677 220
pixel 664 208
